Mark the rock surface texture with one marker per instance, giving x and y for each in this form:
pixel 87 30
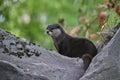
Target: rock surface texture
pixel 106 65
pixel 23 60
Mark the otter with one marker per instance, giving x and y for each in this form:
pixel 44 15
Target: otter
pixel 71 46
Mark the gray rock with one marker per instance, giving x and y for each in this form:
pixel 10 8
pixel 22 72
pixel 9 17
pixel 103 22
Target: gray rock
pixel 9 71
pixel 106 65
pixel 106 36
pixel 23 60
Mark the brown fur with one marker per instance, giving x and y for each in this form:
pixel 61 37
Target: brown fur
pixel 73 46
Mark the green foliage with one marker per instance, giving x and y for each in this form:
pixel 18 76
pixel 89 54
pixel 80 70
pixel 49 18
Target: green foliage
pixel 29 18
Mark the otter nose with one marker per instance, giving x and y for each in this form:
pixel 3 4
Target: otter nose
pixel 47 31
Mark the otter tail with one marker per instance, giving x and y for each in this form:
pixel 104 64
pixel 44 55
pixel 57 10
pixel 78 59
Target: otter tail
pixel 87 59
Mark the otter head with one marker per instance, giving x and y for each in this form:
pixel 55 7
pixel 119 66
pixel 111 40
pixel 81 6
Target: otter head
pixel 54 30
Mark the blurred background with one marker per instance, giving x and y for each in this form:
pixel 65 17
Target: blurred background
pixel 28 19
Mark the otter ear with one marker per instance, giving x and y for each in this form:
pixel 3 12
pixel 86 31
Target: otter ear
pixel 58 26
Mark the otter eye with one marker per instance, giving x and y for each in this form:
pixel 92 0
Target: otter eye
pixel 57 26
pixel 52 28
